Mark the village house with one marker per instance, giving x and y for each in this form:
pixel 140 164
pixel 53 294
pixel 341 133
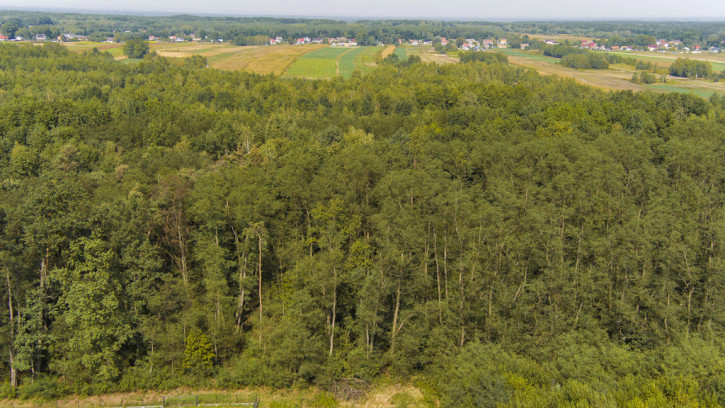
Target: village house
pixel 524 46
pixel 487 43
pixel 40 37
pixel 444 41
pixel 3 38
pixel 502 43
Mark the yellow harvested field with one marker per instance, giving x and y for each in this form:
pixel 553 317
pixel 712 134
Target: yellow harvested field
pixel 616 78
pixel 387 51
pixel 262 59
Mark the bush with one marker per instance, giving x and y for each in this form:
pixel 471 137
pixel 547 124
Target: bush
pixel 43 387
pixel 6 390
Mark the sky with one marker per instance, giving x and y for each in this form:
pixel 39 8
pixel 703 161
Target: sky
pixel 435 9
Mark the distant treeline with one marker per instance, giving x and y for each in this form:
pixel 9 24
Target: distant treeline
pixel 244 29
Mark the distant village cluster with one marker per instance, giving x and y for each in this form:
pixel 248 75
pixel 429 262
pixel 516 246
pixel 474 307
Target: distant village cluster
pixel 661 45
pixel 469 44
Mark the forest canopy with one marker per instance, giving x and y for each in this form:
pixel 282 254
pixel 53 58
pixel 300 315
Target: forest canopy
pixel 163 224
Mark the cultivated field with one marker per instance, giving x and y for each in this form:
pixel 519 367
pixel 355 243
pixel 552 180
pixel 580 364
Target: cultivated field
pixel 114 49
pixel 322 63
pixel 618 76
pixel 331 61
pixel 664 60
pixel 360 59
pixel 260 59
pixel 426 54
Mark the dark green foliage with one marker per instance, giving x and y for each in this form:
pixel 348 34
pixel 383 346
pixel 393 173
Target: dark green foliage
pixel 561 51
pixel 644 77
pixel 585 61
pixel 487 57
pixel 685 67
pixel 477 224
pixel 135 48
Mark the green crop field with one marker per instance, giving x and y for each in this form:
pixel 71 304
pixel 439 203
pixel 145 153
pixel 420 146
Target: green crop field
pixel 320 63
pixel 401 52
pixel 527 54
pixel 114 49
pixel 361 59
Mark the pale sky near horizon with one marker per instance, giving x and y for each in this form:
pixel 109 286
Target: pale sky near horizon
pixel 435 9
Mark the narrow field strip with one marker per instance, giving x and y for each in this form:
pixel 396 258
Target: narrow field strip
pixel 347 63
pixel 320 63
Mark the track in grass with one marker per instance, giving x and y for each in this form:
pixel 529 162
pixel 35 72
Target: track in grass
pixel 320 63
pixel 360 59
pixel 333 61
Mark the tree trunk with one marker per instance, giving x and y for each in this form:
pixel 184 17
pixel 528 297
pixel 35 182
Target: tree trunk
pixel 242 279
pixel 13 374
pixel 259 238
pixel 395 320
pixel 334 310
pixel 438 277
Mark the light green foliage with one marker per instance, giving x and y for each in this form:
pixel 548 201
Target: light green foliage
pixel 198 353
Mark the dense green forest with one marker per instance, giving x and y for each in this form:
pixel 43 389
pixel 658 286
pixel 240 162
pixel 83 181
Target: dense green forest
pixel 499 236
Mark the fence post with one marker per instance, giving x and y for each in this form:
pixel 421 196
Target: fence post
pixel 164 402
pixel 196 401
